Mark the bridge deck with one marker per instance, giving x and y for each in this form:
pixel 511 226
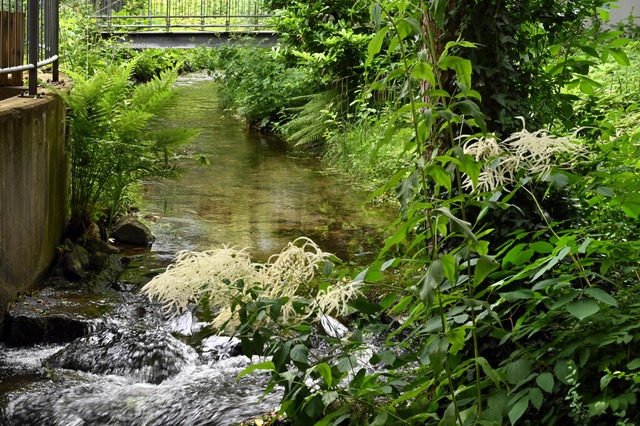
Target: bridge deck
pixel 189 39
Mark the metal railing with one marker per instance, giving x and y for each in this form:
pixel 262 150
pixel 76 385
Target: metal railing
pixel 35 21
pixel 181 15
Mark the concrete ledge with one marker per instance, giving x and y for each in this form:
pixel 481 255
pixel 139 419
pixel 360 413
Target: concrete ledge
pixel 33 190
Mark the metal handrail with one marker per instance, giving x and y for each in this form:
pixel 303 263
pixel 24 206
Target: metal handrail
pixel 35 21
pixel 219 15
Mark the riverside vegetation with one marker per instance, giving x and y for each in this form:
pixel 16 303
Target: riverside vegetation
pixel 506 291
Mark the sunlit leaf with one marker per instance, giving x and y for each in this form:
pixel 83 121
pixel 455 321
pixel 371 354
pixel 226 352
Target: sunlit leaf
pixel 620 56
pixel 376 44
pixel 423 71
pixel 267 365
pixel 461 66
pixel 449 266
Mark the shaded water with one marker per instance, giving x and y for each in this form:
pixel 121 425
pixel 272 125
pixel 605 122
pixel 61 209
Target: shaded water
pixel 136 368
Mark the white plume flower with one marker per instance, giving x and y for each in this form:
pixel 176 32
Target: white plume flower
pixel 227 275
pixel 536 153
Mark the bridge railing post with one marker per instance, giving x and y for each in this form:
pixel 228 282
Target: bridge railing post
pixel 228 18
pixel 33 17
pixel 168 21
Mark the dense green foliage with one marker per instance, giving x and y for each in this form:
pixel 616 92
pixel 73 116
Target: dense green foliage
pixel 111 144
pixel 506 291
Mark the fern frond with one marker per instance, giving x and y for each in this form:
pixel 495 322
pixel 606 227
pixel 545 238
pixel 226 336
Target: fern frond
pixel 309 123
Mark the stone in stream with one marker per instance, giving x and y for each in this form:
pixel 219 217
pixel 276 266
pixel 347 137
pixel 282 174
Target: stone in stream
pixel 130 230
pixel 149 356
pixel 55 316
pixel 75 263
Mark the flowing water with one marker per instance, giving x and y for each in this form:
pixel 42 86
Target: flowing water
pixel 140 368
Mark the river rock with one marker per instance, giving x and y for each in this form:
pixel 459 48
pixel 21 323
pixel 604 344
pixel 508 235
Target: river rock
pixel 75 263
pixel 130 230
pixel 149 356
pixel 54 316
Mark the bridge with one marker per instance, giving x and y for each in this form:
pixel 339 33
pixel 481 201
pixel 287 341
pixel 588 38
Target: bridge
pixel 183 23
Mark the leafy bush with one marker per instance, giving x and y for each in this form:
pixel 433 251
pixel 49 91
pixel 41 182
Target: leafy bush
pixel 110 142
pixel 481 323
pixel 256 85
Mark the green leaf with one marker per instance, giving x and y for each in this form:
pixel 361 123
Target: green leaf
pixel 492 373
pixel 517 371
pixel 430 281
pixel 582 309
pixel 601 296
pixel 563 370
pixel 631 209
pixel 406 190
pixel 535 396
pixel 423 71
pixel 518 410
pixel 300 354
pixel 450 267
pixel 381 419
pixel 604 191
pixel 386 357
pixel 463 226
pixel 314 407
pixel 634 364
pixel 267 365
pixel 517 256
pixel 545 381
pixel 619 42
pixel 376 44
pixel 456 337
pixel 439 175
pixel 325 372
pixel 376 14
pixel 401 305
pixel 542 247
pixel 329 418
pixel 438 9
pixel 347 363
pixel 461 66
pixel 620 56
pixel 485 266
pixel 329 397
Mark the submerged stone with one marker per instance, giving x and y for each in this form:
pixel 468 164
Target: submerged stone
pixel 149 356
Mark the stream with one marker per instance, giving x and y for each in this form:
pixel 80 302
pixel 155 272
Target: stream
pixel 136 366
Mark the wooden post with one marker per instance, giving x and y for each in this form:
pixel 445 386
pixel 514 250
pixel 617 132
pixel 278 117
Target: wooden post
pixel 12 49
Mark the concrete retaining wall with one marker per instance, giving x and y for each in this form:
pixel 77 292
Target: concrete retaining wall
pixel 33 188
